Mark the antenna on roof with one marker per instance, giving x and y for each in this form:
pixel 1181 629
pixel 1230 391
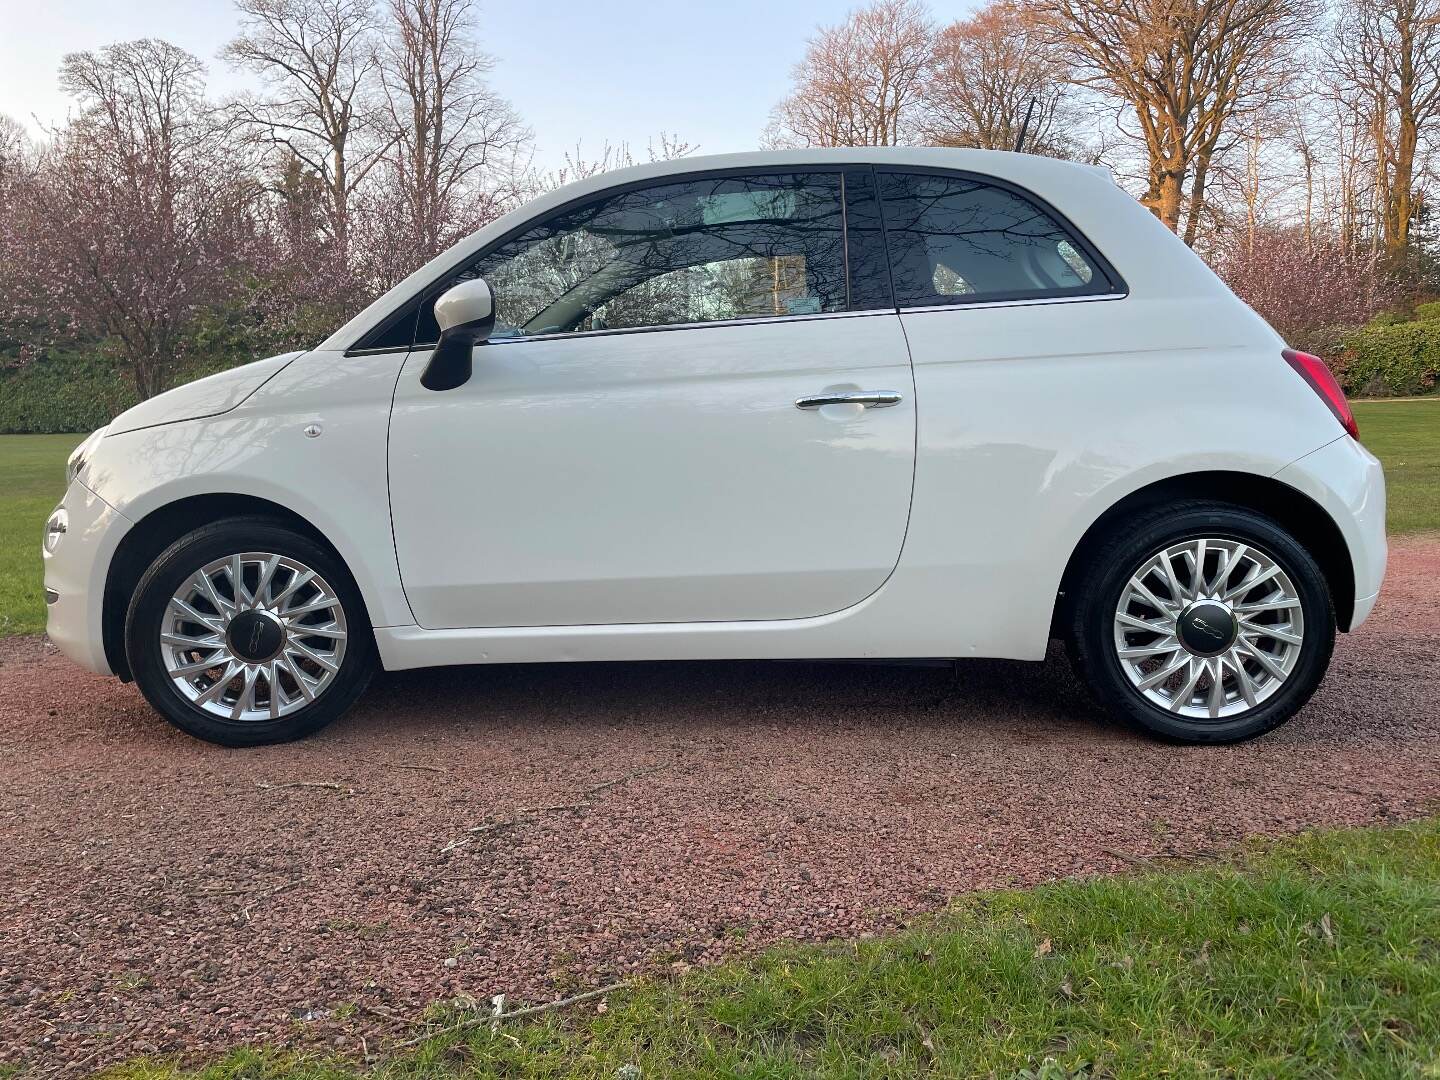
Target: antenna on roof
pixel 1024 127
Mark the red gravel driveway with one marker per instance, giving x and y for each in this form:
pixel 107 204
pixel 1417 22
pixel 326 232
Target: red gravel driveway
pixel 528 829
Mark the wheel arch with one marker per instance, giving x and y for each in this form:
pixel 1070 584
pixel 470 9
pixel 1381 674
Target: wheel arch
pixel 157 530
pixel 1306 520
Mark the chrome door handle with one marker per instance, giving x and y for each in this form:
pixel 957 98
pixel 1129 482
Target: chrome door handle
pixel 871 399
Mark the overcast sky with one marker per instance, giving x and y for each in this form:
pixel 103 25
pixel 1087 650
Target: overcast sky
pixel 621 70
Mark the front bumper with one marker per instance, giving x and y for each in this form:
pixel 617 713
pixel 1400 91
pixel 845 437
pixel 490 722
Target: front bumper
pixel 75 575
pixel 1349 484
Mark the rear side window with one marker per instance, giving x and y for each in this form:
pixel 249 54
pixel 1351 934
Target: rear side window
pixel 955 240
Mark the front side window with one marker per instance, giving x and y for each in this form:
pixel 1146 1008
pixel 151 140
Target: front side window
pixel 954 239
pixel 684 252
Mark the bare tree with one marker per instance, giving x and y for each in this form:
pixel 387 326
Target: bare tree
pixel 1308 149
pixel 1347 179
pixel 861 82
pixel 319 60
pixel 664 147
pixel 14 143
pixel 1254 180
pixel 986 72
pixel 17 164
pixel 1190 71
pixel 1387 55
pixel 137 218
pixel 17 178
pixel 447 126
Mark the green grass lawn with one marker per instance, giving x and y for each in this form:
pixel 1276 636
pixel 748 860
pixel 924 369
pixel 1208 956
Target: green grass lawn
pixel 32 480
pixel 1315 957
pixel 1405 435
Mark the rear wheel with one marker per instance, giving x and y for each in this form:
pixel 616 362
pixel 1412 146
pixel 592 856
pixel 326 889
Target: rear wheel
pixel 245 632
pixel 1202 622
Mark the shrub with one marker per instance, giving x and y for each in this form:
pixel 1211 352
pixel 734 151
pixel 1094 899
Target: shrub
pixel 1389 318
pixel 1428 312
pixel 59 391
pixel 73 390
pixel 1383 361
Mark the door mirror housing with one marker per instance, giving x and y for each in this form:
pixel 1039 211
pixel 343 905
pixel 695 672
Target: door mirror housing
pixel 466 314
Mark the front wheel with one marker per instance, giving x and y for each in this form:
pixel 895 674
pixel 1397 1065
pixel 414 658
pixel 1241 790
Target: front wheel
pixel 1202 622
pixel 245 632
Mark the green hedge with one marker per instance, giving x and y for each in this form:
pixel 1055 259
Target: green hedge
pixel 1389 318
pixel 62 390
pixel 72 389
pixel 1391 361
pixel 1428 312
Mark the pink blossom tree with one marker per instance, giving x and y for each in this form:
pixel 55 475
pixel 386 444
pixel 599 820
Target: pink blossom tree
pixel 1309 292
pixel 137 217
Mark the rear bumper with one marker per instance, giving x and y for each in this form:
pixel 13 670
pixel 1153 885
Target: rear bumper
pixel 75 575
pixel 1349 484
pixel 1363 606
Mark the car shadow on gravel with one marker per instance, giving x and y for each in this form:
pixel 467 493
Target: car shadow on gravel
pixel 1018 695
pixel 1367 697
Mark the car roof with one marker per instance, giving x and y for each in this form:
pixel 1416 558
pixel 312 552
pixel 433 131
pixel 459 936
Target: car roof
pixel 1002 163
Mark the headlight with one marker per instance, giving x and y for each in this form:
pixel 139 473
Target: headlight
pixel 80 456
pixel 55 529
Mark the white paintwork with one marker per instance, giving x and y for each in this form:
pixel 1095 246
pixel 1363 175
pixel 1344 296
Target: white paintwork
pixel 656 495
pixel 210 396
pixel 467 302
pixel 655 477
pixel 259 448
pixel 1348 483
pixel 76 571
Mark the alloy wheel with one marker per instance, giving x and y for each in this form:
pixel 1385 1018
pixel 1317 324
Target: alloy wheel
pixel 1209 628
pixel 253 636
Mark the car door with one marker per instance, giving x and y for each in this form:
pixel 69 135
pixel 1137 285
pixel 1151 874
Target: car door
pixel 659 430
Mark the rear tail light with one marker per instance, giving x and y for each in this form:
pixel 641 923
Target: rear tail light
pixel 1313 370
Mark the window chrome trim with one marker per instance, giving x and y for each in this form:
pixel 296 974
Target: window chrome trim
pixel 970 305
pixel 768 319
pixel 429 346
pixel 617 330
pixel 381 350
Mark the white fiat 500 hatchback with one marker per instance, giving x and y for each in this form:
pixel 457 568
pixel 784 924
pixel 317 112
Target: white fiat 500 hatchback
pixel 844 404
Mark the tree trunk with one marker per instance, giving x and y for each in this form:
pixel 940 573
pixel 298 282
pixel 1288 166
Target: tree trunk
pixel 1197 200
pixel 1401 205
pixel 1169 196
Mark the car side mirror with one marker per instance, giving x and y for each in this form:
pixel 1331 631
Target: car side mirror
pixel 466 314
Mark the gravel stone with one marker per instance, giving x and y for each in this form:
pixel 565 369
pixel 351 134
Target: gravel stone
pixel 557 827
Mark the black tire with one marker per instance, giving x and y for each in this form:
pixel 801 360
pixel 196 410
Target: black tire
pixel 1091 636
pixel 168 573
